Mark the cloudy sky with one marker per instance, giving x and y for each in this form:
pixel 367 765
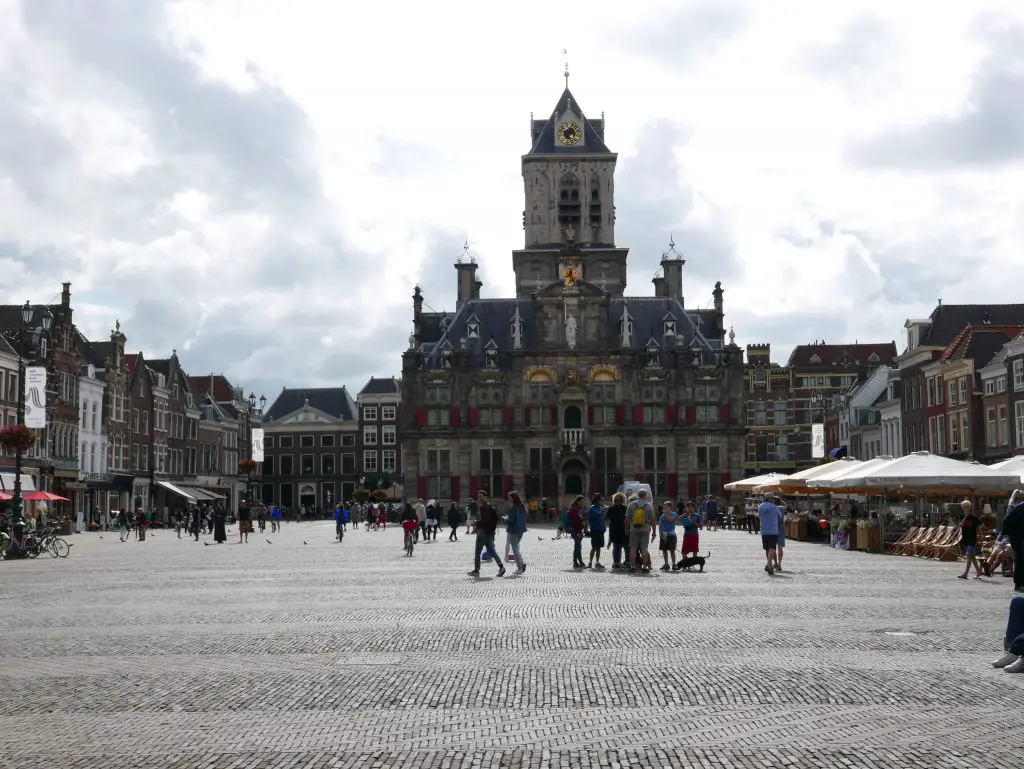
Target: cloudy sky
pixel 259 184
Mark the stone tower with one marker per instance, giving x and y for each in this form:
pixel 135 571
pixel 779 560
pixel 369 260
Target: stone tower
pixel 569 190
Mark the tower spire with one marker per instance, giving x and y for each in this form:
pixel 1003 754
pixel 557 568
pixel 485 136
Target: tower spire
pixel 565 53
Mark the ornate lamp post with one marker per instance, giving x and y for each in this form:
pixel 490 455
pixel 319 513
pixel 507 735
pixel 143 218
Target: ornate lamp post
pixel 17 524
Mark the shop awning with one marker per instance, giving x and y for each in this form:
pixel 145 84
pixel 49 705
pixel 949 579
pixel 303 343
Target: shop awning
pixel 202 494
pixel 180 492
pixel 7 482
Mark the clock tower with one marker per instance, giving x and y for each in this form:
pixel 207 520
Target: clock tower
pixel 569 185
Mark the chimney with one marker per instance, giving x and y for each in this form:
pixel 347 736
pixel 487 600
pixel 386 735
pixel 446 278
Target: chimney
pixel 467 282
pixel 659 285
pixel 65 295
pixel 672 264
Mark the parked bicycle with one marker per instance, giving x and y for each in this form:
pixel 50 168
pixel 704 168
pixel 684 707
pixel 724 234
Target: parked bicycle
pixel 54 544
pixel 28 546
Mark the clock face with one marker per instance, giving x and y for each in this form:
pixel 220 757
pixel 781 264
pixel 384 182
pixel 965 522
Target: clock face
pixel 570 132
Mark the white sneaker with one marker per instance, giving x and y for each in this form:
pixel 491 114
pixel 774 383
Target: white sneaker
pixel 1006 659
pixel 1016 667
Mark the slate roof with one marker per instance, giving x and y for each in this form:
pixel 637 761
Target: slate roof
pixel 832 353
pixel 381 386
pixel 948 320
pixel 5 347
pixel 543 140
pixel 980 343
pixel 331 400
pixel 495 316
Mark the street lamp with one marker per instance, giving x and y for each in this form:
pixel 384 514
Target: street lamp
pixel 17 524
pixel 248 438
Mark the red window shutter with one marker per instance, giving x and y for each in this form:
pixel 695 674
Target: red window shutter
pixel 473 417
pixel 455 487
pixel 723 414
pixel 506 485
pixel 638 414
pixel 551 486
pixel 640 478
pixel 526 415
pixel 670 414
pixel 421 417
pixel 453 416
pixel 723 479
pixel 691 415
pixel 507 416
pixel 672 482
pixel 554 415
pixel 694 484
pixel 421 487
pixel 590 415
pixel 620 413
pixel 474 486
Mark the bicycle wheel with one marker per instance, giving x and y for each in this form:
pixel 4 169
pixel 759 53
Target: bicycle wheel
pixel 51 548
pixel 32 549
pixel 62 546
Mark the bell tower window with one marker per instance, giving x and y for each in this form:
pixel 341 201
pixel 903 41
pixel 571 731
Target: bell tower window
pixel 569 207
pixel 595 202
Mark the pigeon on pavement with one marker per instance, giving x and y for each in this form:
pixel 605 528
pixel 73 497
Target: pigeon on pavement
pixel 305 542
pixel 269 542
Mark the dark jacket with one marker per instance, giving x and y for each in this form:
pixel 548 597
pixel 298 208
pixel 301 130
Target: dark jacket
pixel 1013 525
pixel 488 519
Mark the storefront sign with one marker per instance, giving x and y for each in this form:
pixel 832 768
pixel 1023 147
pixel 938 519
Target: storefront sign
pixel 817 440
pixel 256 437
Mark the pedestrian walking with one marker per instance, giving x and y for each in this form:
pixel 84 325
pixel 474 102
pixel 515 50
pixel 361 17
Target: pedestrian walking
pixel 770 523
pixel 122 524
pixel 577 527
pixel 667 539
pixel 487 524
pixel 598 526
pixel 516 528
pixel 454 519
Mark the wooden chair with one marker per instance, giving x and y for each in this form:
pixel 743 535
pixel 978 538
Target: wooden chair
pixel 931 535
pixel 905 539
pixel 923 534
pixel 941 537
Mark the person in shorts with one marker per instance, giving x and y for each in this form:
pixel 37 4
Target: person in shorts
pixel 667 535
pixel 641 521
pixel 771 522
pixel 969 539
pixel 597 525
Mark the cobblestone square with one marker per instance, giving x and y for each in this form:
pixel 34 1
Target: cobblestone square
pixel 310 653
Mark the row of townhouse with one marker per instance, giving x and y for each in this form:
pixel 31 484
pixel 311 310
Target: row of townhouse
pixel 956 390
pixel 122 431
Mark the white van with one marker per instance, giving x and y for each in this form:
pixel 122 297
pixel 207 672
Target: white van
pixel 630 489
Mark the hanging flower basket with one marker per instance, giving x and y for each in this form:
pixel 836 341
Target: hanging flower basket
pixel 247 466
pixel 361 495
pixel 17 437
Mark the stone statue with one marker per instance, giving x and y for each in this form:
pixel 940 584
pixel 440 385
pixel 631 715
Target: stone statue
pixel 570 332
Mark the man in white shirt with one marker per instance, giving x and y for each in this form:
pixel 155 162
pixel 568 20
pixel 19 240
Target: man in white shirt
pixel 421 518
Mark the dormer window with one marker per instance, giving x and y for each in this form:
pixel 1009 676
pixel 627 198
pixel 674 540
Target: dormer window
pixel 490 358
pixel 473 328
pixel 695 352
pixel 446 358
pixel 628 327
pixel 815 359
pixel 873 358
pixel 670 328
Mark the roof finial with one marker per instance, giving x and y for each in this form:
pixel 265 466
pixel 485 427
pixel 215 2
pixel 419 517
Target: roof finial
pixel 565 52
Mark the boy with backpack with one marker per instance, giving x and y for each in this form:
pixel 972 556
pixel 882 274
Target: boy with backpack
pixel 641 521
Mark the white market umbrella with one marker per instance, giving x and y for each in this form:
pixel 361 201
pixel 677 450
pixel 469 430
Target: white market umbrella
pixel 834 478
pixel 922 470
pixel 749 484
pixel 799 482
pixel 1012 465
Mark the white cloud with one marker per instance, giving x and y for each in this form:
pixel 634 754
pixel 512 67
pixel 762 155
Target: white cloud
pixel 267 181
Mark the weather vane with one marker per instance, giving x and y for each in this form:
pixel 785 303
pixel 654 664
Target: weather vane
pixel 565 53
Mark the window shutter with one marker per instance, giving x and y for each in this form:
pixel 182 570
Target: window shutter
pixel 474 486
pixel 638 414
pixel 506 485
pixel 554 415
pixel 526 415
pixel 454 492
pixel 421 417
pixel 670 414
pixel 473 416
pixel 723 414
pixel 421 487
pixel 723 479
pixel 672 482
pixel 590 415
pixel 620 413
pixel 453 416
pixel 694 485
pixel 507 416
pixel 640 478
pixel 551 487
pixel 691 415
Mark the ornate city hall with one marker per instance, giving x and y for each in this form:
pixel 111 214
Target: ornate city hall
pixel 570 386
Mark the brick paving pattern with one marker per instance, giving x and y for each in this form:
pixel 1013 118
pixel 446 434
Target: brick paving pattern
pixel 172 654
